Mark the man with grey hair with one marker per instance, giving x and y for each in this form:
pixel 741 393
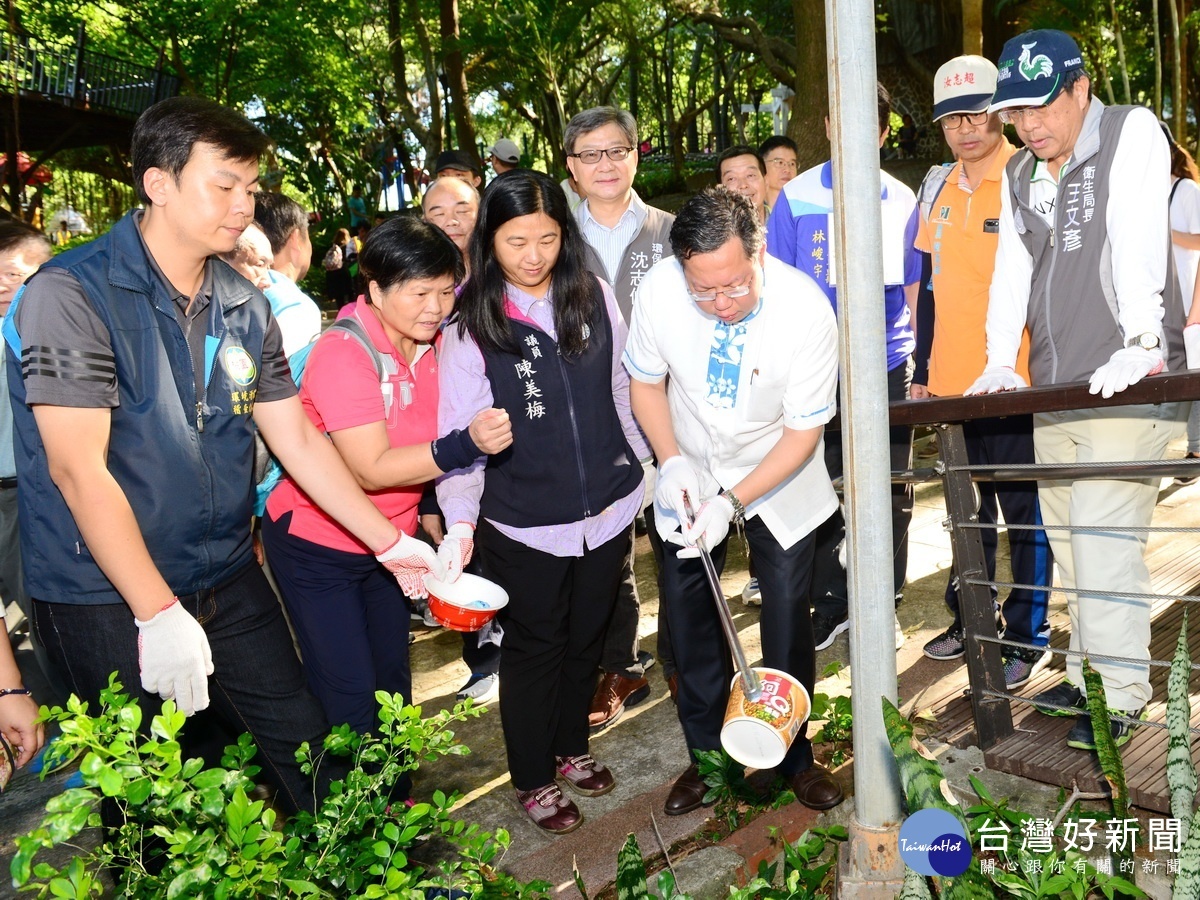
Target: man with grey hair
pixel 625 238
pixel 1084 262
pixel 733 388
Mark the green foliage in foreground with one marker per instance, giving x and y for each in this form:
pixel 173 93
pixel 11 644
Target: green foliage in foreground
pixel 189 831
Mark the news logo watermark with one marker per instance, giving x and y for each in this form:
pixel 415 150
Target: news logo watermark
pixel 934 842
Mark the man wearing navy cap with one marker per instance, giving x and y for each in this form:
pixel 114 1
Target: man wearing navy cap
pixel 1084 259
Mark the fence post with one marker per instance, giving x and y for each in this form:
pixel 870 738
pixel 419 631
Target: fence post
pixel 993 717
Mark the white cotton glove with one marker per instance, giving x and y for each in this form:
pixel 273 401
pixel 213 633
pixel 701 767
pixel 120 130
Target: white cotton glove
pixel 677 478
pixel 996 379
pixel 455 550
pixel 1126 366
pixel 710 526
pixel 1191 344
pixel 174 658
pixel 410 560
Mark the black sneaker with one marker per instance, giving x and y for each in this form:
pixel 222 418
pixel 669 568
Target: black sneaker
pixel 1082 737
pixel 1020 665
pixel 950 644
pixel 826 629
pixel 1063 699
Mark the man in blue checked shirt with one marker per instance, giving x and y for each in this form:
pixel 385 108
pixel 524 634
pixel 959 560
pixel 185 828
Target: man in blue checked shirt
pixel 750 348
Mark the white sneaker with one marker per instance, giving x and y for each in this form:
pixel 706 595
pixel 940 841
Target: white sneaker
pixel 900 636
pixel 751 593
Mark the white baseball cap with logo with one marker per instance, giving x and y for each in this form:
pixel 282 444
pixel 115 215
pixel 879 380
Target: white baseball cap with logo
pixel 965 84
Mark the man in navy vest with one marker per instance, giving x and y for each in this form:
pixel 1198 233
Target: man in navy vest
pixel 141 367
pixel 1084 262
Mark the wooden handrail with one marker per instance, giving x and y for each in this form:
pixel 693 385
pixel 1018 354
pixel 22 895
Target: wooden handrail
pixel 1165 388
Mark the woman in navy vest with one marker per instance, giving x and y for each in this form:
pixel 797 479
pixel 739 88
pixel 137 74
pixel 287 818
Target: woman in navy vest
pixel 535 334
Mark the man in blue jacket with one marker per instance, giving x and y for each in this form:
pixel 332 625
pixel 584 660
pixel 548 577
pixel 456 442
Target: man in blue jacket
pixel 139 368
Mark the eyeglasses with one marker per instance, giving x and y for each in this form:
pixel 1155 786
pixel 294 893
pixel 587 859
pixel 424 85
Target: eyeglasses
pixel 1025 114
pixel 954 120
pixel 591 157
pixel 781 163
pixel 732 293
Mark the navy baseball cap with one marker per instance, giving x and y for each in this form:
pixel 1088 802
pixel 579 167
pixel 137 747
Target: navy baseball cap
pixel 1032 68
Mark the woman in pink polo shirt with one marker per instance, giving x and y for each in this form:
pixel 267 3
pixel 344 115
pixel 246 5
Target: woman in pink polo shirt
pixel 350 616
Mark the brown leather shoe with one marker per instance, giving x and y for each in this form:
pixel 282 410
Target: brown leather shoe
pixel 673 686
pixel 687 793
pixel 816 788
pixel 613 694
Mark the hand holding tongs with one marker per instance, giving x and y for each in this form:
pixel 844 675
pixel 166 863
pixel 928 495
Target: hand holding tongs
pixel 750 683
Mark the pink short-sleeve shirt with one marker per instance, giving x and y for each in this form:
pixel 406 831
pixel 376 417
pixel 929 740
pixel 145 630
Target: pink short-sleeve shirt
pixel 341 389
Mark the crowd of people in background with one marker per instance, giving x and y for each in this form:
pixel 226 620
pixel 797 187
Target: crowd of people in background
pixel 521 371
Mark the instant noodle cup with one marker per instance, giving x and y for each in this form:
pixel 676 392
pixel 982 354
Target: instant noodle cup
pixel 466 604
pixel 758 733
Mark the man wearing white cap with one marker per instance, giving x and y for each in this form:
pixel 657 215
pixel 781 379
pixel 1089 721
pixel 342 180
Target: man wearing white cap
pixel 504 155
pixel 960 215
pixel 1084 260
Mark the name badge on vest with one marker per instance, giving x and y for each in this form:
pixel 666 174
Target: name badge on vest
pixel 991 226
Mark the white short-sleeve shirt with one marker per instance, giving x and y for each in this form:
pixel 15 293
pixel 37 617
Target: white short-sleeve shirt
pixel 788 377
pixel 1185 217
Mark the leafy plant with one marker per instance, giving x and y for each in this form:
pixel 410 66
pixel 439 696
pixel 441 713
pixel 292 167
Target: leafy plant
pixel 735 800
pixel 183 830
pixel 804 876
pixel 837 729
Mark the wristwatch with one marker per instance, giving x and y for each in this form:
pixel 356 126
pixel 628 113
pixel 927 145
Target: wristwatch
pixel 739 511
pixel 1147 340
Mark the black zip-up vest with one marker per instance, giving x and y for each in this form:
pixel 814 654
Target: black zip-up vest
pixel 569 458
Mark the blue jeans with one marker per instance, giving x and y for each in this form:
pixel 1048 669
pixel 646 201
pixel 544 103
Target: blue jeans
pixel 257 686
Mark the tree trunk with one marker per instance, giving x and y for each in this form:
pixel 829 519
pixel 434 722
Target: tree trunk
pixel 452 61
pixel 635 74
pixel 693 133
pixel 433 146
pixel 1120 41
pixel 1158 69
pixel 972 27
pixel 811 103
pixel 1178 98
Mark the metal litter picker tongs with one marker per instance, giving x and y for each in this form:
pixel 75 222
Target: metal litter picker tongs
pixel 750 683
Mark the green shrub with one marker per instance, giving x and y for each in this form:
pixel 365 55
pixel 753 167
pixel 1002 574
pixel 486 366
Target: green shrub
pixel 189 831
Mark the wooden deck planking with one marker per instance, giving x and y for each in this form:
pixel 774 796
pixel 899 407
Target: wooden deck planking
pixel 1038 750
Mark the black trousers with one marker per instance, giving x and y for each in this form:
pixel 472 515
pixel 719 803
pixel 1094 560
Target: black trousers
pixel 998 441
pixel 258 686
pixel 620 653
pixel 830 594
pixel 702 656
pixel 554 623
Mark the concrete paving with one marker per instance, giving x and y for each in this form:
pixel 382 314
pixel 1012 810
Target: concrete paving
pixel 645 748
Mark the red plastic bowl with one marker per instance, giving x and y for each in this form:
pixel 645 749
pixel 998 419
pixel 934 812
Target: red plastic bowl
pixel 466 604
